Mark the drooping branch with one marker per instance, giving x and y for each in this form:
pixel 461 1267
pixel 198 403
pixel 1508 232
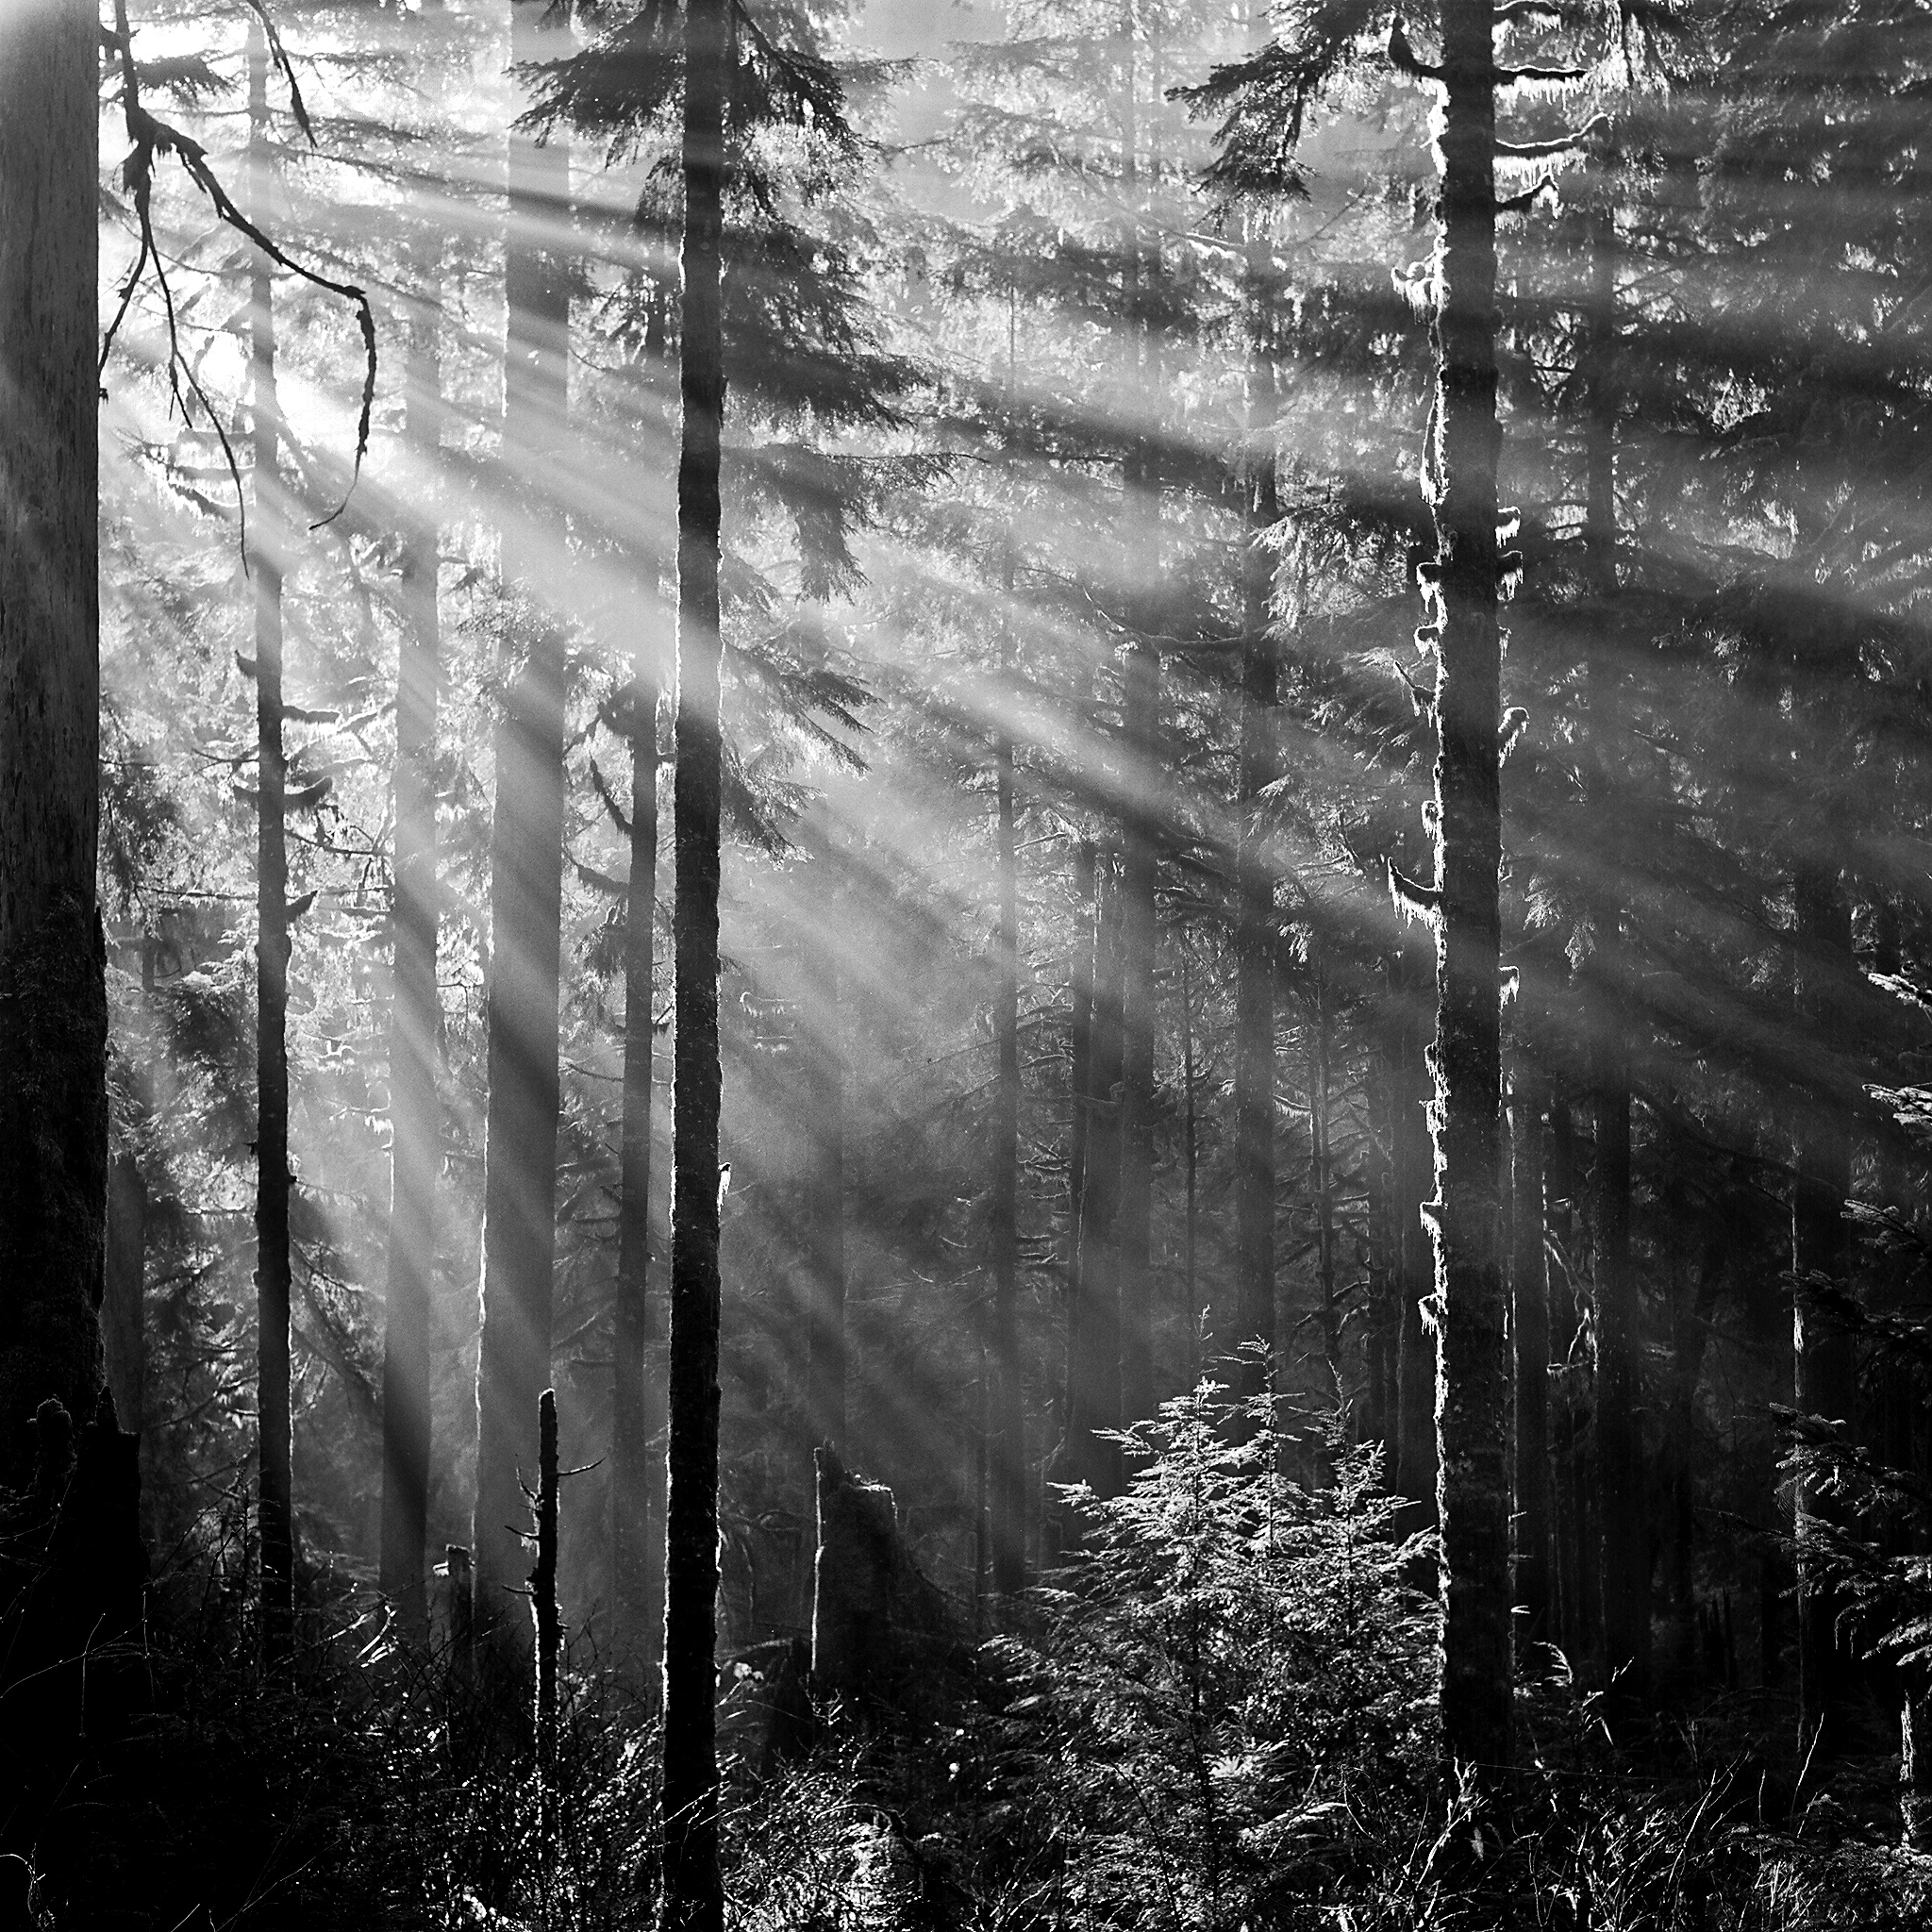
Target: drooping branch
pixel 151 138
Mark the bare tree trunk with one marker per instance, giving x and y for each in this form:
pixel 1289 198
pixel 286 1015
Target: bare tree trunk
pixel 693 1892
pixel 1093 1355
pixel 825 1205
pixel 1530 1301
pixel 1472 1374
pixel 1620 1470
pixel 636 1405
pixel 53 997
pixel 1005 1450
pixel 272 1264
pixel 525 879
pixel 1415 1372
pixel 1825 1355
pixel 1322 1182
pixel 416 1016
pixel 545 1620
pixel 123 1331
pixel 1252 1287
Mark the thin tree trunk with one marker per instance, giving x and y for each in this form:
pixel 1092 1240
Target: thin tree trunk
pixel 693 1893
pixel 53 996
pixel 123 1333
pixel 1415 1370
pixel 1824 1354
pixel 1626 1568
pixel 272 1268
pixel 1472 1374
pixel 1190 1156
pixel 1080 1099
pixel 825 1205
pixel 1005 1450
pixel 637 1407
pixel 525 879
pixel 1252 1296
pixel 1530 1303
pixel 1322 1182
pixel 1093 1355
pixel 416 1017
pixel 545 1621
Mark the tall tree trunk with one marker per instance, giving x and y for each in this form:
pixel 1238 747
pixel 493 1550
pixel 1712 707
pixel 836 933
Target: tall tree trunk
pixel 1473 1374
pixel 1529 1289
pixel 1824 1354
pixel 526 875
pixel 1140 939
pixel 1252 1287
pixel 1005 1443
pixel 1620 1472
pixel 825 1204
pixel 693 1892
pixel 1080 1102
pixel 1321 1185
pixel 123 1332
pixel 53 996
pixel 416 1017
pixel 272 1187
pixel 1094 1353
pixel 637 1401
pixel 1415 1367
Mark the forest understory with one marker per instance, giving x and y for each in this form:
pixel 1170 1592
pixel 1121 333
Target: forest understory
pixel 965 967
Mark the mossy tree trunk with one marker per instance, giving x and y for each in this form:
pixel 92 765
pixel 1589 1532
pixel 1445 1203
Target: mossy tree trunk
pixel 1472 1374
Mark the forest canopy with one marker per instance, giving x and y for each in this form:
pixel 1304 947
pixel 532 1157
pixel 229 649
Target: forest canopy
pixel 965 966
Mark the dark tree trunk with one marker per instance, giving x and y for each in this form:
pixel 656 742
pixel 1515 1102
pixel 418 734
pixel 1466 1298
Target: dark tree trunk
pixel 53 997
pixel 1322 1186
pixel 546 1623
pixel 416 1017
pixel 1139 944
pixel 1472 1375
pixel 1093 1355
pixel 825 1203
pixel 637 1402
pixel 1251 1304
pixel 272 1190
pixel 1824 1354
pixel 525 877
pixel 123 1332
pixel 1620 1469
pixel 1415 1369
pixel 1006 1433
pixel 1530 1302
pixel 694 1894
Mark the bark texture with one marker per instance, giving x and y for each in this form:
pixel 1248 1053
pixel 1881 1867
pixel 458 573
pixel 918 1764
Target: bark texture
pixel 1472 1375
pixel 693 1893
pixel 525 877
pixel 415 1028
pixel 53 1001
